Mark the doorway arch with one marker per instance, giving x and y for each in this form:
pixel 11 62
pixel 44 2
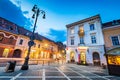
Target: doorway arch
pixel 72 56
pixel 82 58
pixel 96 59
pixel 17 53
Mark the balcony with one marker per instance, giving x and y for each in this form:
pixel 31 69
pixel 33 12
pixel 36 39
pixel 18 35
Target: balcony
pixel 81 33
pixel 81 44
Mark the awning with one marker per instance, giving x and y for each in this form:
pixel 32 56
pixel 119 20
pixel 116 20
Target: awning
pixel 114 51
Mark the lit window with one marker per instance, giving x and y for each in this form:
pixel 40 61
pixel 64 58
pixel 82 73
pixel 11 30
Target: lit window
pixel 92 27
pixel 5 53
pixel 115 40
pixel 93 39
pixel 72 41
pixel 21 41
pixel 72 31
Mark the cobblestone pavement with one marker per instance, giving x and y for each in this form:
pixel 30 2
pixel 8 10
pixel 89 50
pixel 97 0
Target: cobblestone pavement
pixel 57 72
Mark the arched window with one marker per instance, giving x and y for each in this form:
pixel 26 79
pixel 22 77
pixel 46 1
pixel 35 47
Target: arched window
pixel 96 59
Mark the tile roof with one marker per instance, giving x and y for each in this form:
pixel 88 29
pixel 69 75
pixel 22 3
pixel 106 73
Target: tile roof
pixel 111 23
pixel 6 22
pixel 23 31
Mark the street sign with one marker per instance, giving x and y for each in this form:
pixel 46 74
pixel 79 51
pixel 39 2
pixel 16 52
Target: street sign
pixel 31 43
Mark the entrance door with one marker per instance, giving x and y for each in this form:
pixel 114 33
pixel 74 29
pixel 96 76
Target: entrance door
pixel 96 59
pixel 17 53
pixel 83 58
pixel 72 57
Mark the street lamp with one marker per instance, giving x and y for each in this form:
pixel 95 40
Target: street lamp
pixel 36 11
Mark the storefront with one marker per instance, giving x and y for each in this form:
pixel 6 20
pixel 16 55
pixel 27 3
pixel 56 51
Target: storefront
pixel 113 61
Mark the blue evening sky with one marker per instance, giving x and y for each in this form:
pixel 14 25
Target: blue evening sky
pixel 58 14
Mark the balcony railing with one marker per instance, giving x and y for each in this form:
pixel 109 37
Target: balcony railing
pixel 81 33
pixel 81 44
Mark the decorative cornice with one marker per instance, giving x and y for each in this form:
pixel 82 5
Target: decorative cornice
pixel 84 20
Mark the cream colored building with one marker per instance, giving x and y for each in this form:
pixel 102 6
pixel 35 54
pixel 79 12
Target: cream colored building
pixel 85 43
pixel 111 31
pixel 43 48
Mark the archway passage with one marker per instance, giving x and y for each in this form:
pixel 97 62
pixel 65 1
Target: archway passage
pixel 96 59
pixel 72 56
pixel 17 53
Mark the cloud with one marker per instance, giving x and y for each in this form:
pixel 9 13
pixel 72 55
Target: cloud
pixel 13 13
pixel 20 14
pixel 16 2
pixel 57 35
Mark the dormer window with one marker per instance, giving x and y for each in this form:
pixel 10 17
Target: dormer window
pixel 115 22
pixel 10 27
pixel 27 33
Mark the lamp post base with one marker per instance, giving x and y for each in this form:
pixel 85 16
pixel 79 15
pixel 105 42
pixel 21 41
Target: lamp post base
pixel 24 67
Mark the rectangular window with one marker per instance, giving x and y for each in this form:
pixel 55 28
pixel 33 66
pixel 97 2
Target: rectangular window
pixel 93 39
pixel 21 41
pixel 92 27
pixel 115 40
pixel 72 31
pixel 81 40
pixel 72 41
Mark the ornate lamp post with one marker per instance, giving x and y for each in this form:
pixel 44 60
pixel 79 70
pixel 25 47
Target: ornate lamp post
pixel 36 11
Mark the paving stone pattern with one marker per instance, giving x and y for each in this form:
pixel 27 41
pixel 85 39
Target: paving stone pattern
pixel 62 72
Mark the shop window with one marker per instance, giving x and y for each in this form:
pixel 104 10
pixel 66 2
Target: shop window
pixel 115 60
pixel 6 52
